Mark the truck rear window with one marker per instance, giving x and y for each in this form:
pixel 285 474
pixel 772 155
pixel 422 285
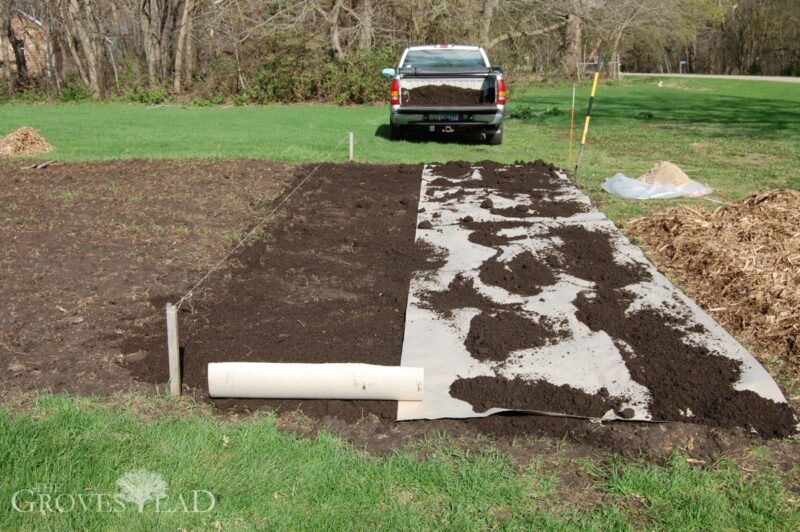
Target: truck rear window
pixel 444 59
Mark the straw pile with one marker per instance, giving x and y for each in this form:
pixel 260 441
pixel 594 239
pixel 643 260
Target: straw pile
pixel 23 141
pixel 741 262
pixel 666 173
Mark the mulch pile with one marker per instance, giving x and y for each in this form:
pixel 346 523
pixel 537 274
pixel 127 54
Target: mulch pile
pixel 23 141
pixel 741 262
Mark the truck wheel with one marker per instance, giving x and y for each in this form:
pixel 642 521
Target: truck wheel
pixel 495 137
pixel 395 132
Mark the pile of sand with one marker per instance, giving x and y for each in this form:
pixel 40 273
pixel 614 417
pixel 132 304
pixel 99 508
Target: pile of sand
pixel 23 141
pixel 741 262
pixel 666 173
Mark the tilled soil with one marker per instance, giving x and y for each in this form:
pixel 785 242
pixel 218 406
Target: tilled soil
pixel 86 247
pixel 93 251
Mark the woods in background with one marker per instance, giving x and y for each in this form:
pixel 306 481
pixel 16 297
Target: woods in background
pixel 332 50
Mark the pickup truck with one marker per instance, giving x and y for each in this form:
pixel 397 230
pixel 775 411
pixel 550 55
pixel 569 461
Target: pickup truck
pixel 446 88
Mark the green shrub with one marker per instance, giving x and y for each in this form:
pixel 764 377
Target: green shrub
pixel 147 96
pixel 74 93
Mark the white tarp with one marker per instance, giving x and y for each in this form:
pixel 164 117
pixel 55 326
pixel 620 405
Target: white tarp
pixel 588 360
pixel 621 185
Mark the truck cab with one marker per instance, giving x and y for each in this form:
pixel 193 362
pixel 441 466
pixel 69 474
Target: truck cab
pixel 447 88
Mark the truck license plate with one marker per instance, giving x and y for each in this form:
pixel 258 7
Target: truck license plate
pixel 448 117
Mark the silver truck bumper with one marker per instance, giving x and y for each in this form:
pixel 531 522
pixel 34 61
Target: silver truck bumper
pixel 431 120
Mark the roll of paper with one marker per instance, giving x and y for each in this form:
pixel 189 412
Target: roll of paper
pixel 267 380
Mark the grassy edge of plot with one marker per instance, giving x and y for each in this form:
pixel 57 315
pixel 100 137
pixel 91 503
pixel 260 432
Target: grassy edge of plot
pixel 260 475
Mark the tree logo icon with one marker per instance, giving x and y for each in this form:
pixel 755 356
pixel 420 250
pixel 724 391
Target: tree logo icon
pixel 140 486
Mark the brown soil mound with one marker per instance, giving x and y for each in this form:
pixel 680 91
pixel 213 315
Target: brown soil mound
pixel 740 262
pixel 524 274
pixel 23 141
pixel 443 95
pixel 488 392
pixel 681 377
pixel 494 336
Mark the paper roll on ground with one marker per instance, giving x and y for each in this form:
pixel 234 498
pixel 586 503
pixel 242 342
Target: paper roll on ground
pixel 314 381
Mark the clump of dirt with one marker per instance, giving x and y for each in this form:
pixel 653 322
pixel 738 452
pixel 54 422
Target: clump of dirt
pixel 686 381
pixel 453 170
pixel 457 195
pixel 589 255
pixel 23 141
pixel 487 233
pixel 740 262
pixel 523 178
pixel 484 393
pixel 460 293
pixel 444 95
pixel 524 274
pixel 493 336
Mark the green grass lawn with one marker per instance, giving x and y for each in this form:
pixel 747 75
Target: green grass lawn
pixel 261 477
pixel 737 136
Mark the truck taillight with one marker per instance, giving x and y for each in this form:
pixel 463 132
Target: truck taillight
pixel 501 92
pixel 394 93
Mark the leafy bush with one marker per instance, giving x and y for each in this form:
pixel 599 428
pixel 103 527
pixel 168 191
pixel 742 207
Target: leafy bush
pixel 208 102
pixel 295 75
pixel 147 96
pixel 521 112
pixel 74 93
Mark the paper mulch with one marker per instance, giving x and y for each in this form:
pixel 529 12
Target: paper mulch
pixel 741 262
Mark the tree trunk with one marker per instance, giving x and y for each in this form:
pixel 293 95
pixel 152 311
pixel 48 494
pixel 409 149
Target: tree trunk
pixel 366 35
pixel 80 18
pixel 180 49
pixel 572 46
pixel 486 20
pixel 336 44
pixel 18 46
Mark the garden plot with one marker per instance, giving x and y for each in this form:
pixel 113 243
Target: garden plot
pixel 541 305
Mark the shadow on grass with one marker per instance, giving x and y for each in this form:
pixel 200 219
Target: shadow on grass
pixel 762 118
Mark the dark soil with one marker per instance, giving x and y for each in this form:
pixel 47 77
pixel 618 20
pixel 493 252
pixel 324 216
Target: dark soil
pixel 484 393
pixel 589 255
pixel 443 96
pixel 487 233
pixel 85 248
pixel 495 335
pixel 680 375
pixel 453 170
pixel 329 285
pixel 92 251
pixel 507 180
pixel 524 274
pixel 460 294
pixel 543 208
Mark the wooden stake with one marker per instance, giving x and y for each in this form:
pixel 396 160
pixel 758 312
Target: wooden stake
pixel 571 129
pixel 351 145
pixel 173 350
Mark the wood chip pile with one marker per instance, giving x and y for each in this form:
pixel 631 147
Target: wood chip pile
pixel 23 141
pixel 741 262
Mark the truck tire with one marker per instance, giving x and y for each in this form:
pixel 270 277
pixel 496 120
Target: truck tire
pixel 494 137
